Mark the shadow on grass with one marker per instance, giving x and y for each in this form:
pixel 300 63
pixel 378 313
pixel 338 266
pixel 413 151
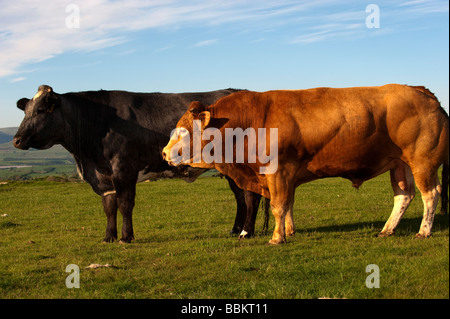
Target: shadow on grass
pixel 406 227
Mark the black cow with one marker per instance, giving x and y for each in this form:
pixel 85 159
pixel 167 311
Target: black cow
pixel 116 138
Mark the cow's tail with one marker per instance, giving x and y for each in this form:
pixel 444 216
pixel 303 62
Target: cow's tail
pixel 266 206
pixel 445 187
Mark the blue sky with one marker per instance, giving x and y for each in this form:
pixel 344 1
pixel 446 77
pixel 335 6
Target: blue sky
pixel 182 46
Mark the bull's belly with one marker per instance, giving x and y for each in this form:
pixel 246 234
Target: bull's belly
pixel 357 171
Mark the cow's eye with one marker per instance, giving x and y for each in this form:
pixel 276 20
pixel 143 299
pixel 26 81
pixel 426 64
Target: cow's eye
pixel 40 111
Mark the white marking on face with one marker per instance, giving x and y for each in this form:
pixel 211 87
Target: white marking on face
pixel 38 94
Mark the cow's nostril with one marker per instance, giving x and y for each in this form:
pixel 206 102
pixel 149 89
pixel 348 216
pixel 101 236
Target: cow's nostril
pixel 16 141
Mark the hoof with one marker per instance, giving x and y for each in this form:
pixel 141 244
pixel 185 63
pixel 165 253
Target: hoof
pixel 108 240
pixel 125 240
pixel 385 234
pixel 277 241
pixel 422 236
pixel 245 235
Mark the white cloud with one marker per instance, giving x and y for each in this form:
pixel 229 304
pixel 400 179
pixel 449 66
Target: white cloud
pixel 205 43
pixel 34 31
pixel 22 78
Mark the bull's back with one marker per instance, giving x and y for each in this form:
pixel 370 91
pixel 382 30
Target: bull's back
pixel 356 132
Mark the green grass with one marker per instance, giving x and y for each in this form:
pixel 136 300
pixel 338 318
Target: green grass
pixel 183 249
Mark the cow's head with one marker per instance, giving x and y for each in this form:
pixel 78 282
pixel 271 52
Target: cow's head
pixel 41 128
pixel 185 141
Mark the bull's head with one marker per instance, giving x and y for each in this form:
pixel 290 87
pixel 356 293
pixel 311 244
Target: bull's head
pixel 182 138
pixel 41 126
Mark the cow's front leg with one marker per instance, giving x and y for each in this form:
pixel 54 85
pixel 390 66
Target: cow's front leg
pixel 110 208
pixel 125 201
pixel 124 181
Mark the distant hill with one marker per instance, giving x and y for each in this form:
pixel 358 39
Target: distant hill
pixel 7 134
pixel 35 163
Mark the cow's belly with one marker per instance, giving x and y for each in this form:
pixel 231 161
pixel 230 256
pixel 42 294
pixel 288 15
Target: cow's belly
pixel 153 176
pixel 187 173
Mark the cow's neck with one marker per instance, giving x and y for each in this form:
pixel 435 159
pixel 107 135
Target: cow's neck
pixel 79 138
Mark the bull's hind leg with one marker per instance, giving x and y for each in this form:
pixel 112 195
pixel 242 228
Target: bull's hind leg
pixel 289 220
pixel 402 181
pixel 430 188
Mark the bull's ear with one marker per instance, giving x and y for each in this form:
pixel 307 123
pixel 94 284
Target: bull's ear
pixel 22 103
pixel 205 117
pixel 196 107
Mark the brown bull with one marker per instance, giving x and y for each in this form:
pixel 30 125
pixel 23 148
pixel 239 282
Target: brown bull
pixel 355 133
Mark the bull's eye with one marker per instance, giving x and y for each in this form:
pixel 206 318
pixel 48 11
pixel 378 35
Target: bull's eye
pixel 182 131
pixel 40 111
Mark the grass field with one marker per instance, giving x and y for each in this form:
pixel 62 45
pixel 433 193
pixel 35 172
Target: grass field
pixel 183 248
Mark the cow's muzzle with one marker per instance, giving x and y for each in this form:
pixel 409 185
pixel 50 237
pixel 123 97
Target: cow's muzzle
pixel 17 142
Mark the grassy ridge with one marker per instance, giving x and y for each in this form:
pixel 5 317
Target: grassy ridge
pixel 183 249
pixel 52 162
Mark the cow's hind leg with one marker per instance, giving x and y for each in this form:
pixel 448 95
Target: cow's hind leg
pixel 252 204
pixel 402 181
pixel 241 211
pixel 430 189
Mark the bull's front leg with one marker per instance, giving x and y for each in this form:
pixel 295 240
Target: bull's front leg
pixel 281 201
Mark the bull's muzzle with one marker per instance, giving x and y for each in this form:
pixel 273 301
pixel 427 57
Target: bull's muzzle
pixel 166 156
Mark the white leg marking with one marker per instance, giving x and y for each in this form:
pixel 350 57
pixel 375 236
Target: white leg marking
pixel 108 193
pixel 243 234
pixel 430 201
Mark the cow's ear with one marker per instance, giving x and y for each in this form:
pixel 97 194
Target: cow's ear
pixel 196 107
pixel 52 99
pixel 205 117
pixel 22 103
